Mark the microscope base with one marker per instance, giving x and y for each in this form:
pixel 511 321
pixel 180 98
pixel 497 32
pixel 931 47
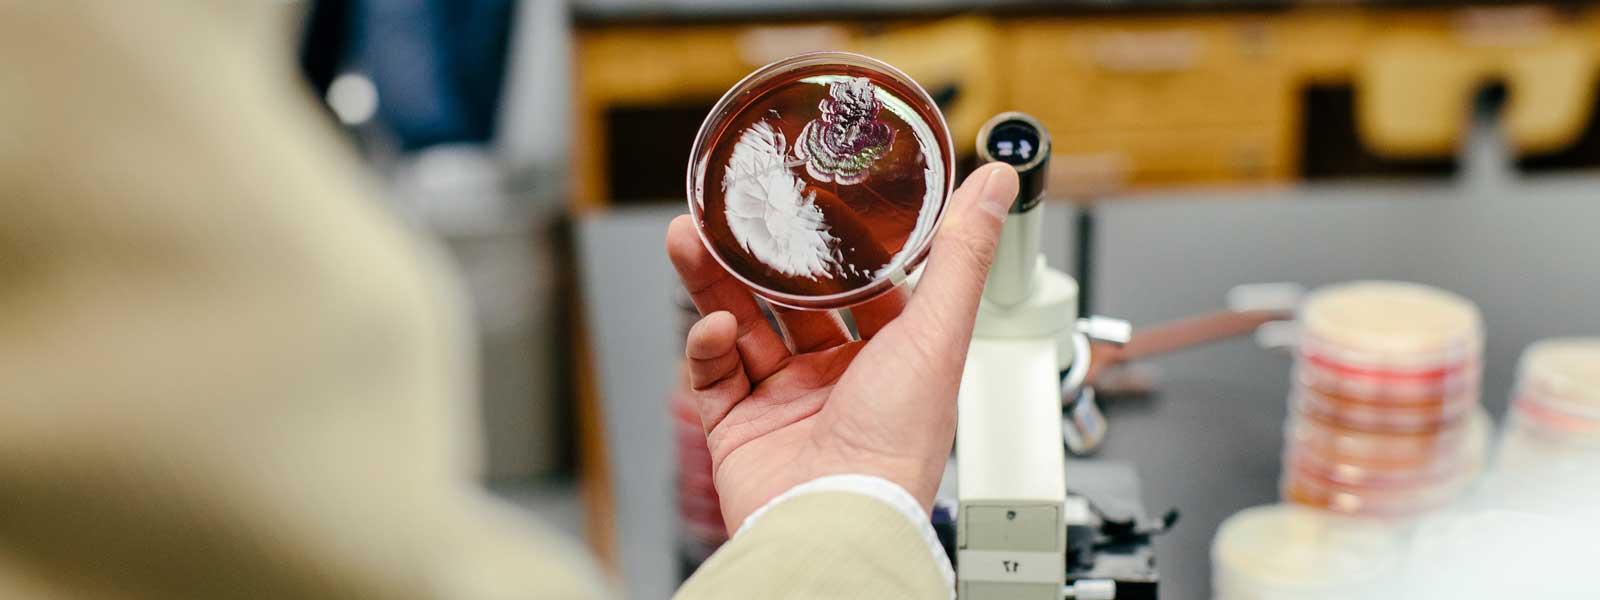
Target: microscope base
pixel 1108 536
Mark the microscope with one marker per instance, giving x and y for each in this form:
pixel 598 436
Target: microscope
pixel 1023 405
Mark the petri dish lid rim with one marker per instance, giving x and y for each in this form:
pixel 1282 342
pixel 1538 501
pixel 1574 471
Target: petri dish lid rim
pixel 719 113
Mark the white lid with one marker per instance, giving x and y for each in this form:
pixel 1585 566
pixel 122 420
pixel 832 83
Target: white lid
pixel 1564 372
pixel 1287 551
pixel 1393 323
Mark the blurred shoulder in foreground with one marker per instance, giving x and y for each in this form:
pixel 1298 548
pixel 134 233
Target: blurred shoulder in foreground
pixel 226 372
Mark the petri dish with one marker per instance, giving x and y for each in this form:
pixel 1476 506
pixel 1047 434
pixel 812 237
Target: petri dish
pixel 819 180
pixel 1390 333
pixel 1461 449
pixel 1381 417
pixel 1387 501
pixel 1548 459
pixel 1559 388
pixel 1374 450
pixel 1387 490
pixel 1294 553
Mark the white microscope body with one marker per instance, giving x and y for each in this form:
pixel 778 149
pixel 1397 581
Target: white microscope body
pixel 1010 457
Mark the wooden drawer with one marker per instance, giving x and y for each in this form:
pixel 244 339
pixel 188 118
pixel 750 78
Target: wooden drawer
pixel 1147 73
pixel 1094 163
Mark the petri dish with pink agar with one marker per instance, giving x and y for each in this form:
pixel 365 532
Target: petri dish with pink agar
pixel 1548 459
pixel 1558 389
pixel 819 180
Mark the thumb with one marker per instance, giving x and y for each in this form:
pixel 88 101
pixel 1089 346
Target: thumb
pixel 946 299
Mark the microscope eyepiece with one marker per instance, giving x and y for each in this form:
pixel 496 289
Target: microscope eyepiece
pixel 1021 141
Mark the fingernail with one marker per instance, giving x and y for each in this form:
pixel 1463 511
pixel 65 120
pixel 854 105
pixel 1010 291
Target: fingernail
pixel 998 193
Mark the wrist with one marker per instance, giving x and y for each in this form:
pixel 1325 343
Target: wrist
pixel 919 477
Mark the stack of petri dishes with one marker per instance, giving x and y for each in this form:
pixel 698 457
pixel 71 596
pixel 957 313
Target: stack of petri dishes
pixel 1549 455
pixel 1385 418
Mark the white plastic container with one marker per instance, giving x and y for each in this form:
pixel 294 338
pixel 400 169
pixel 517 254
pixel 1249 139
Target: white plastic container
pixel 1289 552
pixel 1549 455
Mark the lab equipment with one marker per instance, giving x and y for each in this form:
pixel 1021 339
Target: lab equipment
pixel 819 179
pixel 1029 351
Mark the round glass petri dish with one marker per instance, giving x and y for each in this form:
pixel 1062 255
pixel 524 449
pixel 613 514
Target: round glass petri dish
pixel 1390 334
pixel 1312 489
pixel 1385 451
pixel 1355 413
pixel 818 181
pixel 1358 489
pixel 1285 551
pixel 1559 388
pixel 1463 449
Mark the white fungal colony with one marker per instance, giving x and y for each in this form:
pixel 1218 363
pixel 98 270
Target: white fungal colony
pixel 769 211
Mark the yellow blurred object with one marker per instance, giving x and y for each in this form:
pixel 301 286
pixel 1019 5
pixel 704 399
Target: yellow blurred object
pixel 1414 95
pixel 1416 82
pixel 1177 99
pixel 1552 93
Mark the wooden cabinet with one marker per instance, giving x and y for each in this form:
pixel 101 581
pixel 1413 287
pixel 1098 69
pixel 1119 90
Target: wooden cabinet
pixel 1144 99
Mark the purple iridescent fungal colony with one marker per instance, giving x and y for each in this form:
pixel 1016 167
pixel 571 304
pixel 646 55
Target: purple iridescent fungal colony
pixel 843 142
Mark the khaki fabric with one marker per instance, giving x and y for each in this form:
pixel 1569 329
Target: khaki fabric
pixel 225 371
pixel 822 545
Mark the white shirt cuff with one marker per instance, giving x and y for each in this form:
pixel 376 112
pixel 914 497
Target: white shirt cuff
pixel 881 489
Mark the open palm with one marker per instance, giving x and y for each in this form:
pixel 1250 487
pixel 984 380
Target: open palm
pixel 777 415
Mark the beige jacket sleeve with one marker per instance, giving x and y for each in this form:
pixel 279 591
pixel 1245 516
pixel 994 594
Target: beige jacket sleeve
pixel 822 545
pixel 225 372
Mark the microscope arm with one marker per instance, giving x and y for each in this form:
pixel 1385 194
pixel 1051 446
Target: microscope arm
pixel 1010 470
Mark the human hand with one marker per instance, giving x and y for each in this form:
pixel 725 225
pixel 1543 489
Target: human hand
pixel 884 405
